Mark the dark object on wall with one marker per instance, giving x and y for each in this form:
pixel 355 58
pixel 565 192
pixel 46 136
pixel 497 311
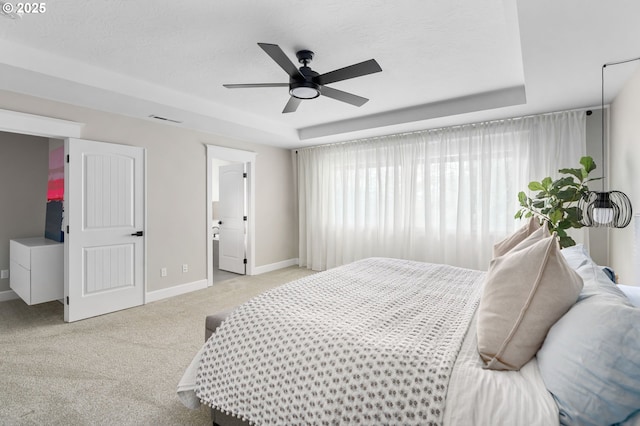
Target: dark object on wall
pixel 53 225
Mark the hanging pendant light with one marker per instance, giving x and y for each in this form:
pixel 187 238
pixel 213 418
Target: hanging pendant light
pixel 606 208
pixel 611 209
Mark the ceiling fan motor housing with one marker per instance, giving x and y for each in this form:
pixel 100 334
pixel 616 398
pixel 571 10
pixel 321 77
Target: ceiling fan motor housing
pixel 304 56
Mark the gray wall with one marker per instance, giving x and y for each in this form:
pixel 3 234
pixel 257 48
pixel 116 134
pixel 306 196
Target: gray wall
pixel 598 237
pixel 176 188
pixel 24 167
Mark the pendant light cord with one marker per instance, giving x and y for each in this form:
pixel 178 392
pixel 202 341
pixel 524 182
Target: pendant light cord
pixel 602 124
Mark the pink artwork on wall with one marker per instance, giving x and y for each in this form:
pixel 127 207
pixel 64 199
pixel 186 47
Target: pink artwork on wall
pixel 55 185
pixel 55 195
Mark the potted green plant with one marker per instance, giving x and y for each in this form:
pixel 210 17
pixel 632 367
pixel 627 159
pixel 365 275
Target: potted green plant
pixel 556 202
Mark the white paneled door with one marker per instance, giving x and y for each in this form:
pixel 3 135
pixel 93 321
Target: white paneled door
pixel 232 224
pixel 104 209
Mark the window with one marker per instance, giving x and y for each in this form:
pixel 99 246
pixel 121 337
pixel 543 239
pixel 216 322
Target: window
pixel 440 196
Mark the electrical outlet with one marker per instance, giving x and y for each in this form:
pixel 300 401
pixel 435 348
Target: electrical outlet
pixel 185 267
pixel 4 274
pixel 163 272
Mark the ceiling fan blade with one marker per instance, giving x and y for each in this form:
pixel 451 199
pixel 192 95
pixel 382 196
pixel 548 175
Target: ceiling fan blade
pixel 245 86
pixel 292 105
pixel 347 97
pixel 274 51
pixel 356 70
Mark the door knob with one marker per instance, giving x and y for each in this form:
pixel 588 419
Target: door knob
pixel 137 234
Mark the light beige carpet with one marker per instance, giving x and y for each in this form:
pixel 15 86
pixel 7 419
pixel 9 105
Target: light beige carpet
pixel 116 369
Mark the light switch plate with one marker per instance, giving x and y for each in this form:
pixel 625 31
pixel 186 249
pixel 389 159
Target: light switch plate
pixel 4 274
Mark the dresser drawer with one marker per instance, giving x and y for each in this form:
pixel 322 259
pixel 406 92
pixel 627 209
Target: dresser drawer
pixel 37 269
pixel 20 281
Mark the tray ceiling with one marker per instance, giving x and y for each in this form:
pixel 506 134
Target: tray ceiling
pixel 443 62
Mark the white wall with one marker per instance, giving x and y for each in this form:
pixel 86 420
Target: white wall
pixel 625 174
pixel 176 185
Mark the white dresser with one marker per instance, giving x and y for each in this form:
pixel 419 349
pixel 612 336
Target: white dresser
pixel 37 269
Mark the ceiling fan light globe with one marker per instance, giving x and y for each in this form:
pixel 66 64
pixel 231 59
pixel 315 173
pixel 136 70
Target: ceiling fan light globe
pixel 303 92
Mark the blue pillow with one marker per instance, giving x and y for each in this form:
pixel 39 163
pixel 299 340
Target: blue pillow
pixel 576 256
pixel 590 360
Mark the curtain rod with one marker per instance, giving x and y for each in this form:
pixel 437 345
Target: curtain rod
pixel 415 132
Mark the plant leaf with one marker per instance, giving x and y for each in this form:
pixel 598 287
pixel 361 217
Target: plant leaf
pixel 592 179
pixel 556 216
pixel 522 197
pixel 569 195
pixel 536 186
pixel 542 195
pixel 567 242
pixel 546 183
pixel 574 172
pixel 562 182
pixel 574 214
pixel 564 224
pixel 588 164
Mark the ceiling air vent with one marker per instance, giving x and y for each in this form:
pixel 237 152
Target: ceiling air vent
pixel 157 117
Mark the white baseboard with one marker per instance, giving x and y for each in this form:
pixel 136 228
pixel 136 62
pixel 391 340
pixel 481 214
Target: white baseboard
pixel 275 266
pixel 153 296
pixel 8 295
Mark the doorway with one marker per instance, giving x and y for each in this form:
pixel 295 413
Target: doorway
pixel 70 132
pixel 229 219
pixel 219 158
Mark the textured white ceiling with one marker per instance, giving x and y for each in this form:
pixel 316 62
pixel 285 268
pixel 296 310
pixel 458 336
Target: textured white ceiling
pixel 444 62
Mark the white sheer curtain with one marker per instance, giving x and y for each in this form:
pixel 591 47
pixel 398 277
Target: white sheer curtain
pixel 441 196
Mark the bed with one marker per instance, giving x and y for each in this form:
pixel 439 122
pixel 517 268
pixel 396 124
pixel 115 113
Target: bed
pixel 390 341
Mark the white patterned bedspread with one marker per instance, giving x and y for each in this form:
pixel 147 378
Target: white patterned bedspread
pixel 371 342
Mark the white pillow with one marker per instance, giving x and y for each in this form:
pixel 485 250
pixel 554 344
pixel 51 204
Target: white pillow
pixel 632 293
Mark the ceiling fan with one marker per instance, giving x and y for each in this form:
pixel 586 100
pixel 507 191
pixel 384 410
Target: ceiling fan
pixel 304 83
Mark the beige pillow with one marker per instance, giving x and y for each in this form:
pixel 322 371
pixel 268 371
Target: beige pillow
pixel 525 292
pixel 502 247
